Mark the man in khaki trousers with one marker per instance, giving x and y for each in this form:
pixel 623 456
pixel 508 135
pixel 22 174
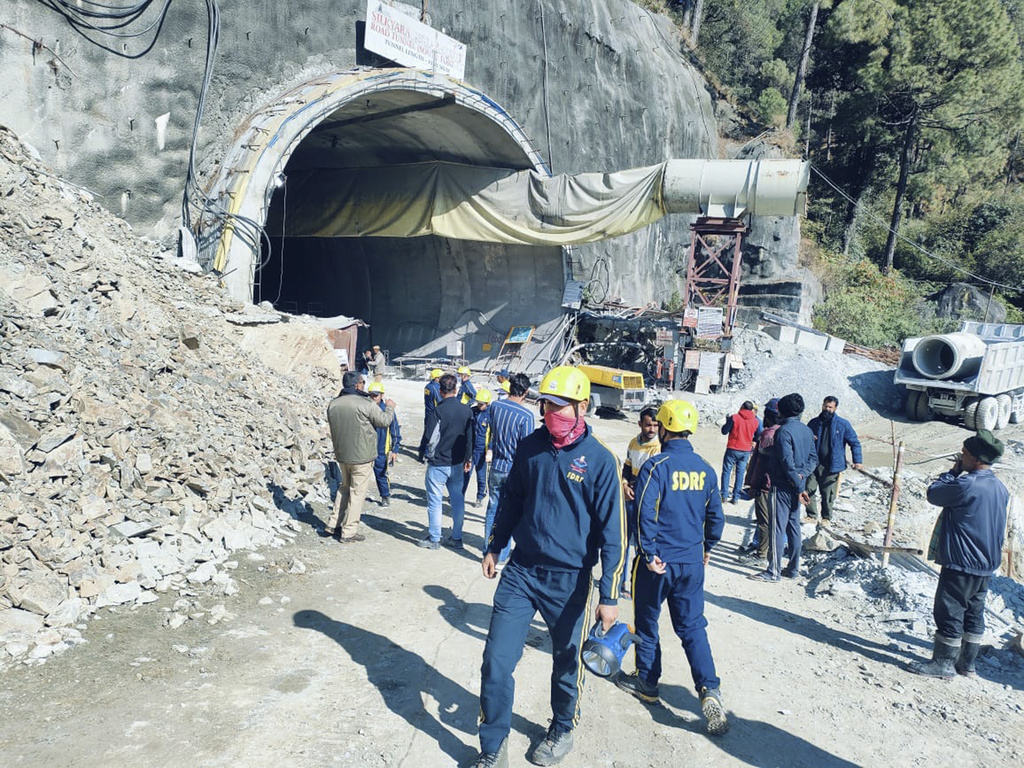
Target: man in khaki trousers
pixel 354 419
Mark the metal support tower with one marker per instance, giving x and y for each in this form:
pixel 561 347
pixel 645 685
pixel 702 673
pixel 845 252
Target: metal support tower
pixel 713 267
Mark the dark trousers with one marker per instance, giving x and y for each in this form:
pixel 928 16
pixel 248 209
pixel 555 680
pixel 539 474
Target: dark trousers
pixel 828 483
pixel 960 604
pixel 784 508
pixel 380 474
pixel 561 597
pixel 480 468
pixel 682 586
pixel 763 522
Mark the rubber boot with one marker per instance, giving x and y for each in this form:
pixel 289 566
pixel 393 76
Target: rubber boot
pixel 968 655
pixel 942 663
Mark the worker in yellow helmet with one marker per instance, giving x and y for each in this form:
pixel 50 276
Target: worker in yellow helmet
pixel 679 521
pixel 467 392
pixel 562 501
pixel 389 439
pixel 431 399
pixel 481 444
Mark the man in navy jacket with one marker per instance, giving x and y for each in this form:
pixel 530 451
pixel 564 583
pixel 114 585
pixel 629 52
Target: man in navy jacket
pixel 562 502
pixel 832 434
pixel 971 529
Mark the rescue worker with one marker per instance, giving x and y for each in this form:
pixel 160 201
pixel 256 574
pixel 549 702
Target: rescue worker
pixel 679 521
pixel 563 503
pixel 743 429
pixel 467 392
pixel 640 449
pixel 431 399
pixel 377 363
pixel 968 544
pixel 832 433
pixel 503 376
pixel 389 439
pixel 481 444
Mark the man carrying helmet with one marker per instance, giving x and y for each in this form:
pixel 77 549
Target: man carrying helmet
pixel 562 502
pixel 467 392
pixel 431 399
pixel 389 439
pixel 679 521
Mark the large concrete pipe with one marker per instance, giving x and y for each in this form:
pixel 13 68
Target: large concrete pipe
pixel 949 355
pixel 734 188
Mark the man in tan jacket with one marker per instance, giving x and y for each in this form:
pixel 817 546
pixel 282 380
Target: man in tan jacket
pixel 354 419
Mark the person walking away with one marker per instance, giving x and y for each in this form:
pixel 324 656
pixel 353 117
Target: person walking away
pixel 791 462
pixel 448 444
pixel 431 399
pixel 640 449
pixel 680 520
pixel 354 419
pixel 389 439
pixel 743 428
pixel 760 486
pixel 481 444
pixel 378 364
pixel 562 501
pixel 511 421
pixel 832 433
pixel 968 543
pixel 467 392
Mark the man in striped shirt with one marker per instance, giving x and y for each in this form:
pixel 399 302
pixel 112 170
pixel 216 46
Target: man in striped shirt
pixel 511 421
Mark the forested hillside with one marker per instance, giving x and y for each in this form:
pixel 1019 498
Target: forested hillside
pixel 911 113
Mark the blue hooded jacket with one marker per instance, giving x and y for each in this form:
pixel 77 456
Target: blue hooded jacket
pixel 842 434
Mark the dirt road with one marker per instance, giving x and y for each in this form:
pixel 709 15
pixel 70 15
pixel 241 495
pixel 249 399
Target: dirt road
pixel 371 657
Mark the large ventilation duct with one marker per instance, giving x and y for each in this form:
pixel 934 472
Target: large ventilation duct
pixel 949 355
pixel 733 188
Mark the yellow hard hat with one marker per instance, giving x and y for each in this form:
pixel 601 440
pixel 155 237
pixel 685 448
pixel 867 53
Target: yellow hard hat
pixel 436 374
pixel 506 386
pixel 465 370
pixel 375 386
pixel 563 384
pixel 678 416
pixel 484 396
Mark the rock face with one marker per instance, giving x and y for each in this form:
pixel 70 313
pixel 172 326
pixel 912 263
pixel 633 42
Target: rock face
pixel 599 85
pixel 140 442
pixel 960 301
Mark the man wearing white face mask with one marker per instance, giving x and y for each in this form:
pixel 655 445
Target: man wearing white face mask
pixel 562 502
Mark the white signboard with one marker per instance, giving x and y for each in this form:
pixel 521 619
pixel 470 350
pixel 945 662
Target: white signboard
pixel 396 36
pixel 709 322
pixel 711 366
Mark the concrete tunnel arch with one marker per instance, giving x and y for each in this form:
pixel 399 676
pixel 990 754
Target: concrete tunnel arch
pixel 417 294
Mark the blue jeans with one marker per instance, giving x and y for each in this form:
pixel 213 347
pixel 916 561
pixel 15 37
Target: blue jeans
pixel 737 459
pixel 480 469
pixel 437 478
pixel 495 482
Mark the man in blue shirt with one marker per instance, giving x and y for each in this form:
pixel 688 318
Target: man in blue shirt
pixel 968 543
pixel 431 399
pixel 511 421
pixel 562 501
pixel 679 521
pixel 481 444
pixel 389 439
pixel 832 434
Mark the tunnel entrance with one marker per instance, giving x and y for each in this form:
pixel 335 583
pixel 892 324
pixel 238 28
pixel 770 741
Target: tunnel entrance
pixel 418 294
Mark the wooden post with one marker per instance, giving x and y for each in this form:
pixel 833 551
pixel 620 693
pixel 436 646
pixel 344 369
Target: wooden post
pixel 892 503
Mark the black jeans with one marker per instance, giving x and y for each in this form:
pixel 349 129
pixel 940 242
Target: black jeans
pixel 960 604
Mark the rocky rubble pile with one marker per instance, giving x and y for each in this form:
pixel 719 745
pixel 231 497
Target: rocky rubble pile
pixel 139 443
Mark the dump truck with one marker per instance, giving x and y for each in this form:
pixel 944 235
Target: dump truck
pixel 975 374
pixel 615 389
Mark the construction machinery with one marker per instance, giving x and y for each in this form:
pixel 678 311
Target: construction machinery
pixel 615 389
pixel 976 374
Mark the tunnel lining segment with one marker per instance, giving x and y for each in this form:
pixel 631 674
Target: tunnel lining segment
pixel 267 140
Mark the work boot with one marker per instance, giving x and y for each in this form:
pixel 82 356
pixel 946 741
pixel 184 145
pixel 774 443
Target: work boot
pixel 968 655
pixel 714 712
pixel 497 759
pixel 942 663
pixel 428 543
pixel 636 685
pixel 386 501
pixel 556 745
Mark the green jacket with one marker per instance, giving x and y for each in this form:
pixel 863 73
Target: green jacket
pixel 354 419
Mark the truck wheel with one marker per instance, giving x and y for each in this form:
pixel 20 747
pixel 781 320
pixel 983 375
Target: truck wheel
pixel 971 415
pixel 987 416
pixel 921 410
pixel 911 407
pixel 1005 409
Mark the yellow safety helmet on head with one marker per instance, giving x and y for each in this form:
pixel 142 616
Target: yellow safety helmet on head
pixel 436 374
pixel 375 386
pixel 678 416
pixel 464 370
pixel 506 386
pixel 564 384
pixel 484 396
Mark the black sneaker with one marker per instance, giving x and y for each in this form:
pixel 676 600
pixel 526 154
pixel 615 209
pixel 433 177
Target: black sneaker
pixel 556 745
pixel 386 501
pixel 639 687
pixel 428 544
pixel 497 759
pixel 453 543
pixel 714 712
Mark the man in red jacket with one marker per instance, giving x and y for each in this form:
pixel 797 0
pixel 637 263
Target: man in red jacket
pixel 743 428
